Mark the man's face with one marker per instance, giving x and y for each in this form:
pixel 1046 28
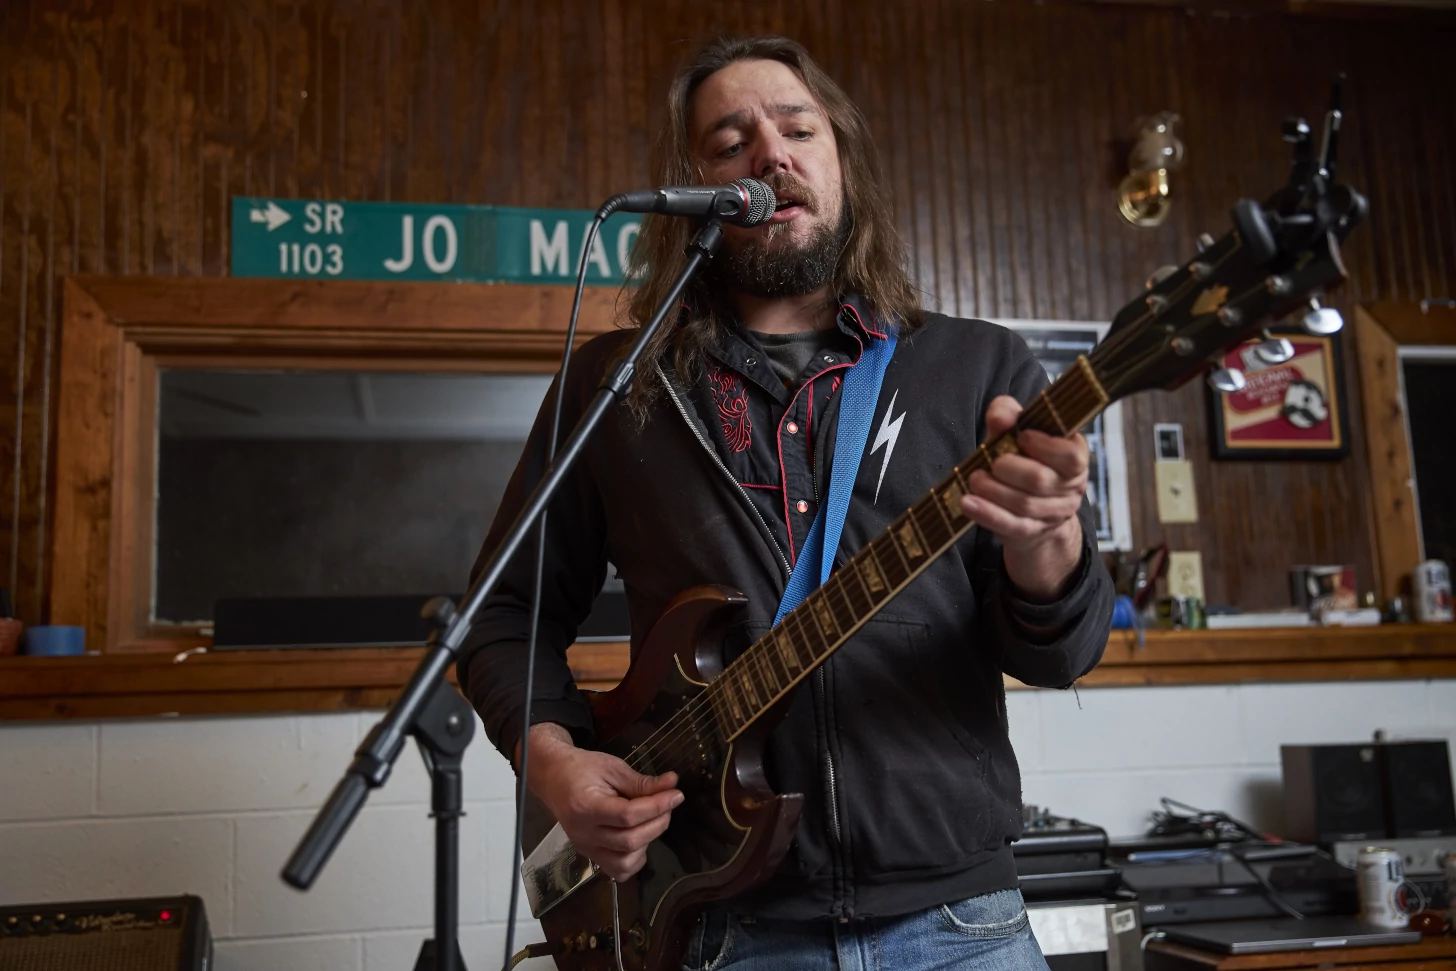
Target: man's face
pixel 756 118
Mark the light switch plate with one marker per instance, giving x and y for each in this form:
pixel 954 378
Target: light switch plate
pixel 1185 574
pixel 1177 502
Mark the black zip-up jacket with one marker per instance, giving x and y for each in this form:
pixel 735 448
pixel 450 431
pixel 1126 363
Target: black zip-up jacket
pixel 899 743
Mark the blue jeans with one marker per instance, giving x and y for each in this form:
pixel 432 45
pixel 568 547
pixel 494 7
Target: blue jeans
pixel 988 933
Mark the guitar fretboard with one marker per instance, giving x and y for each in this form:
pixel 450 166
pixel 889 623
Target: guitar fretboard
pixel 872 577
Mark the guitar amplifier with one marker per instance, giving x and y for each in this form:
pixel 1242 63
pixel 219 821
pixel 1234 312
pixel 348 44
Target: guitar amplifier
pixel 163 934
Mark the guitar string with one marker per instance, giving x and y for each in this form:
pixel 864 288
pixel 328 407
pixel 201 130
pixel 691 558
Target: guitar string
pixel 697 714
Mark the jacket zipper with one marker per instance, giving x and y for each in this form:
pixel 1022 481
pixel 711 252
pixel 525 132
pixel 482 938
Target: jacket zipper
pixel 829 762
pixel 833 791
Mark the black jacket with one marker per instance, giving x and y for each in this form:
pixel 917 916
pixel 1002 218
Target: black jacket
pixel 899 744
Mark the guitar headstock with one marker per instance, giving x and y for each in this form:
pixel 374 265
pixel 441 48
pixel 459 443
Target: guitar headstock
pixel 1279 256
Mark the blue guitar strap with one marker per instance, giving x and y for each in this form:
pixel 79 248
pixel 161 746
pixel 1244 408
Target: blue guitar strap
pixel 857 399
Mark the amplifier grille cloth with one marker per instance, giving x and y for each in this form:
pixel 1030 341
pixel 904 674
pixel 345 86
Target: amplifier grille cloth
pixel 133 949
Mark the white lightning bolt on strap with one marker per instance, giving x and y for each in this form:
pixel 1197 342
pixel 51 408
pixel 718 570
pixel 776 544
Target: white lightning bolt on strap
pixel 888 434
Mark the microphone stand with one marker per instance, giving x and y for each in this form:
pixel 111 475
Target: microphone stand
pixel 432 711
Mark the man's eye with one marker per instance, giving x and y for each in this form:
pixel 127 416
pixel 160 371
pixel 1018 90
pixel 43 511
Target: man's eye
pixel 802 136
pixel 731 150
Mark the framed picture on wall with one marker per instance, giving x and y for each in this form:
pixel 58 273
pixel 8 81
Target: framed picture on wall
pixel 1292 410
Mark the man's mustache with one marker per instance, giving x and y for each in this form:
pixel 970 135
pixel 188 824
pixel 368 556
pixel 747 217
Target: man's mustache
pixel 787 187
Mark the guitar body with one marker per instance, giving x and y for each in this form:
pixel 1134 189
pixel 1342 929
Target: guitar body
pixel 731 830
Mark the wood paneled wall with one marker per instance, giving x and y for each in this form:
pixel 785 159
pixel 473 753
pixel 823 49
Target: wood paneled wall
pixel 127 125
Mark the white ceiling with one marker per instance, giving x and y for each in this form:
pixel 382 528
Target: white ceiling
pixel 331 405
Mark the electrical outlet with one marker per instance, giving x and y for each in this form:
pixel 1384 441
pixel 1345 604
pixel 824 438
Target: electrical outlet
pixel 1185 574
pixel 1177 502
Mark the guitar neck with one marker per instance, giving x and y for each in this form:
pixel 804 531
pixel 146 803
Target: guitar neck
pixel 855 592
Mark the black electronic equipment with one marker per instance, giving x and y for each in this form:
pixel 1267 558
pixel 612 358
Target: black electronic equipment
pixel 1059 858
pixel 1368 791
pixel 1333 792
pixel 161 934
pixel 1233 881
pixel 1417 787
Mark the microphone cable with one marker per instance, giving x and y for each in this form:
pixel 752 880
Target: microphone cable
pixel 591 235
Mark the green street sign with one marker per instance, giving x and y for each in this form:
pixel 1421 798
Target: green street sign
pixel 315 239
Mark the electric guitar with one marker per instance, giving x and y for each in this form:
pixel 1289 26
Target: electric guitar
pixel 680 708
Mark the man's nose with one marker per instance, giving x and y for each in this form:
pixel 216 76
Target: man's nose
pixel 773 155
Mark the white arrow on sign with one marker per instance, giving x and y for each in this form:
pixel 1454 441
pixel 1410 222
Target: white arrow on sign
pixel 272 214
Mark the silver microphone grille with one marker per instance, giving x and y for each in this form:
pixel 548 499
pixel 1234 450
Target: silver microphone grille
pixel 761 202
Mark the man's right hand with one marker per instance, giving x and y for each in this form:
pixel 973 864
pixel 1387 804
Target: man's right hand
pixel 609 811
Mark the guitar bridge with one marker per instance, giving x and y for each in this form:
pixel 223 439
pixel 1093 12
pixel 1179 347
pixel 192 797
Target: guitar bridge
pixel 554 871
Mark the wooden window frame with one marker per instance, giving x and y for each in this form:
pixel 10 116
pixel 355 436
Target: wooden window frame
pixel 1381 330
pixel 116 332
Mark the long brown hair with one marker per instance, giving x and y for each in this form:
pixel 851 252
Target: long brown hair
pixel 872 263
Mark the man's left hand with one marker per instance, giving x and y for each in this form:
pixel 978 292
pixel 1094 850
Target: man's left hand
pixel 1030 501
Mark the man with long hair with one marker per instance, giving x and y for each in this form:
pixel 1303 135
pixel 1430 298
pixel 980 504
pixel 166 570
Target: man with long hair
pixel 713 471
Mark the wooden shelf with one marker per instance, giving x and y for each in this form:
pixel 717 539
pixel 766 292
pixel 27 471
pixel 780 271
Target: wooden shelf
pixel 126 685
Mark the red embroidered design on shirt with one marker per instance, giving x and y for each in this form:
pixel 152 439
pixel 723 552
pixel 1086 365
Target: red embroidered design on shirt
pixel 834 385
pixel 732 401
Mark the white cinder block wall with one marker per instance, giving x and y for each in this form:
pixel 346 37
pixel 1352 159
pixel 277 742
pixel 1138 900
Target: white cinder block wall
pixel 213 806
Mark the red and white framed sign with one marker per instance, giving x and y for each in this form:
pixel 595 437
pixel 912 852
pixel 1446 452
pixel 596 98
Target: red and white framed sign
pixel 1291 410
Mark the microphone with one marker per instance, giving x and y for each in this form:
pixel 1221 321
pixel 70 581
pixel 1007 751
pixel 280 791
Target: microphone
pixel 744 202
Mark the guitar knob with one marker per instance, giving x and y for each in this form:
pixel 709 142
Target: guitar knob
pixel 1274 350
pixel 1159 275
pixel 1322 321
pixel 1226 379
pixel 1204 241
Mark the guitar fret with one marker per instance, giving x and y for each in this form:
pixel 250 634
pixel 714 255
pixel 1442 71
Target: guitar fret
pixel 870 573
pixel 810 632
pixel 784 648
pixel 1061 425
pixel 749 688
pixel 931 524
pixel 821 616
pixel 892 564
pixel 844 615
pixel 909 541
pixel 736 707
pixel 823 613
pixel 950 493
pixel 771 660
pixel 768 680
pixel 764 682
pixel 860 604
pixel 803 650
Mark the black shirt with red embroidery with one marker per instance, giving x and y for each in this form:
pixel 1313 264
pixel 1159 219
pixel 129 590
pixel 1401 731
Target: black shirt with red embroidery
pixel 773 437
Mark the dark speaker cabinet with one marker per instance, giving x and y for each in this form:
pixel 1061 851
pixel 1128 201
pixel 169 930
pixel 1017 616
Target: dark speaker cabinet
pixel 1375 790
pixel 1332 793
pixel 1417 783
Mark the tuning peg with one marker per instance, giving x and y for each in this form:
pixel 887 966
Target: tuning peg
pixel 1274 350
pixel 1322 321
pixel 1159 275
pixel 1226 379
pixel 1204 241
pixel 1295 130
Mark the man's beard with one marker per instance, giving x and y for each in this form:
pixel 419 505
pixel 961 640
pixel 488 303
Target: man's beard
pixel 761 269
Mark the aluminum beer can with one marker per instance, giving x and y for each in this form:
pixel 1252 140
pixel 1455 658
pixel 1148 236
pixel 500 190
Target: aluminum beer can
pixel 1381 873
pixel 1431 584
